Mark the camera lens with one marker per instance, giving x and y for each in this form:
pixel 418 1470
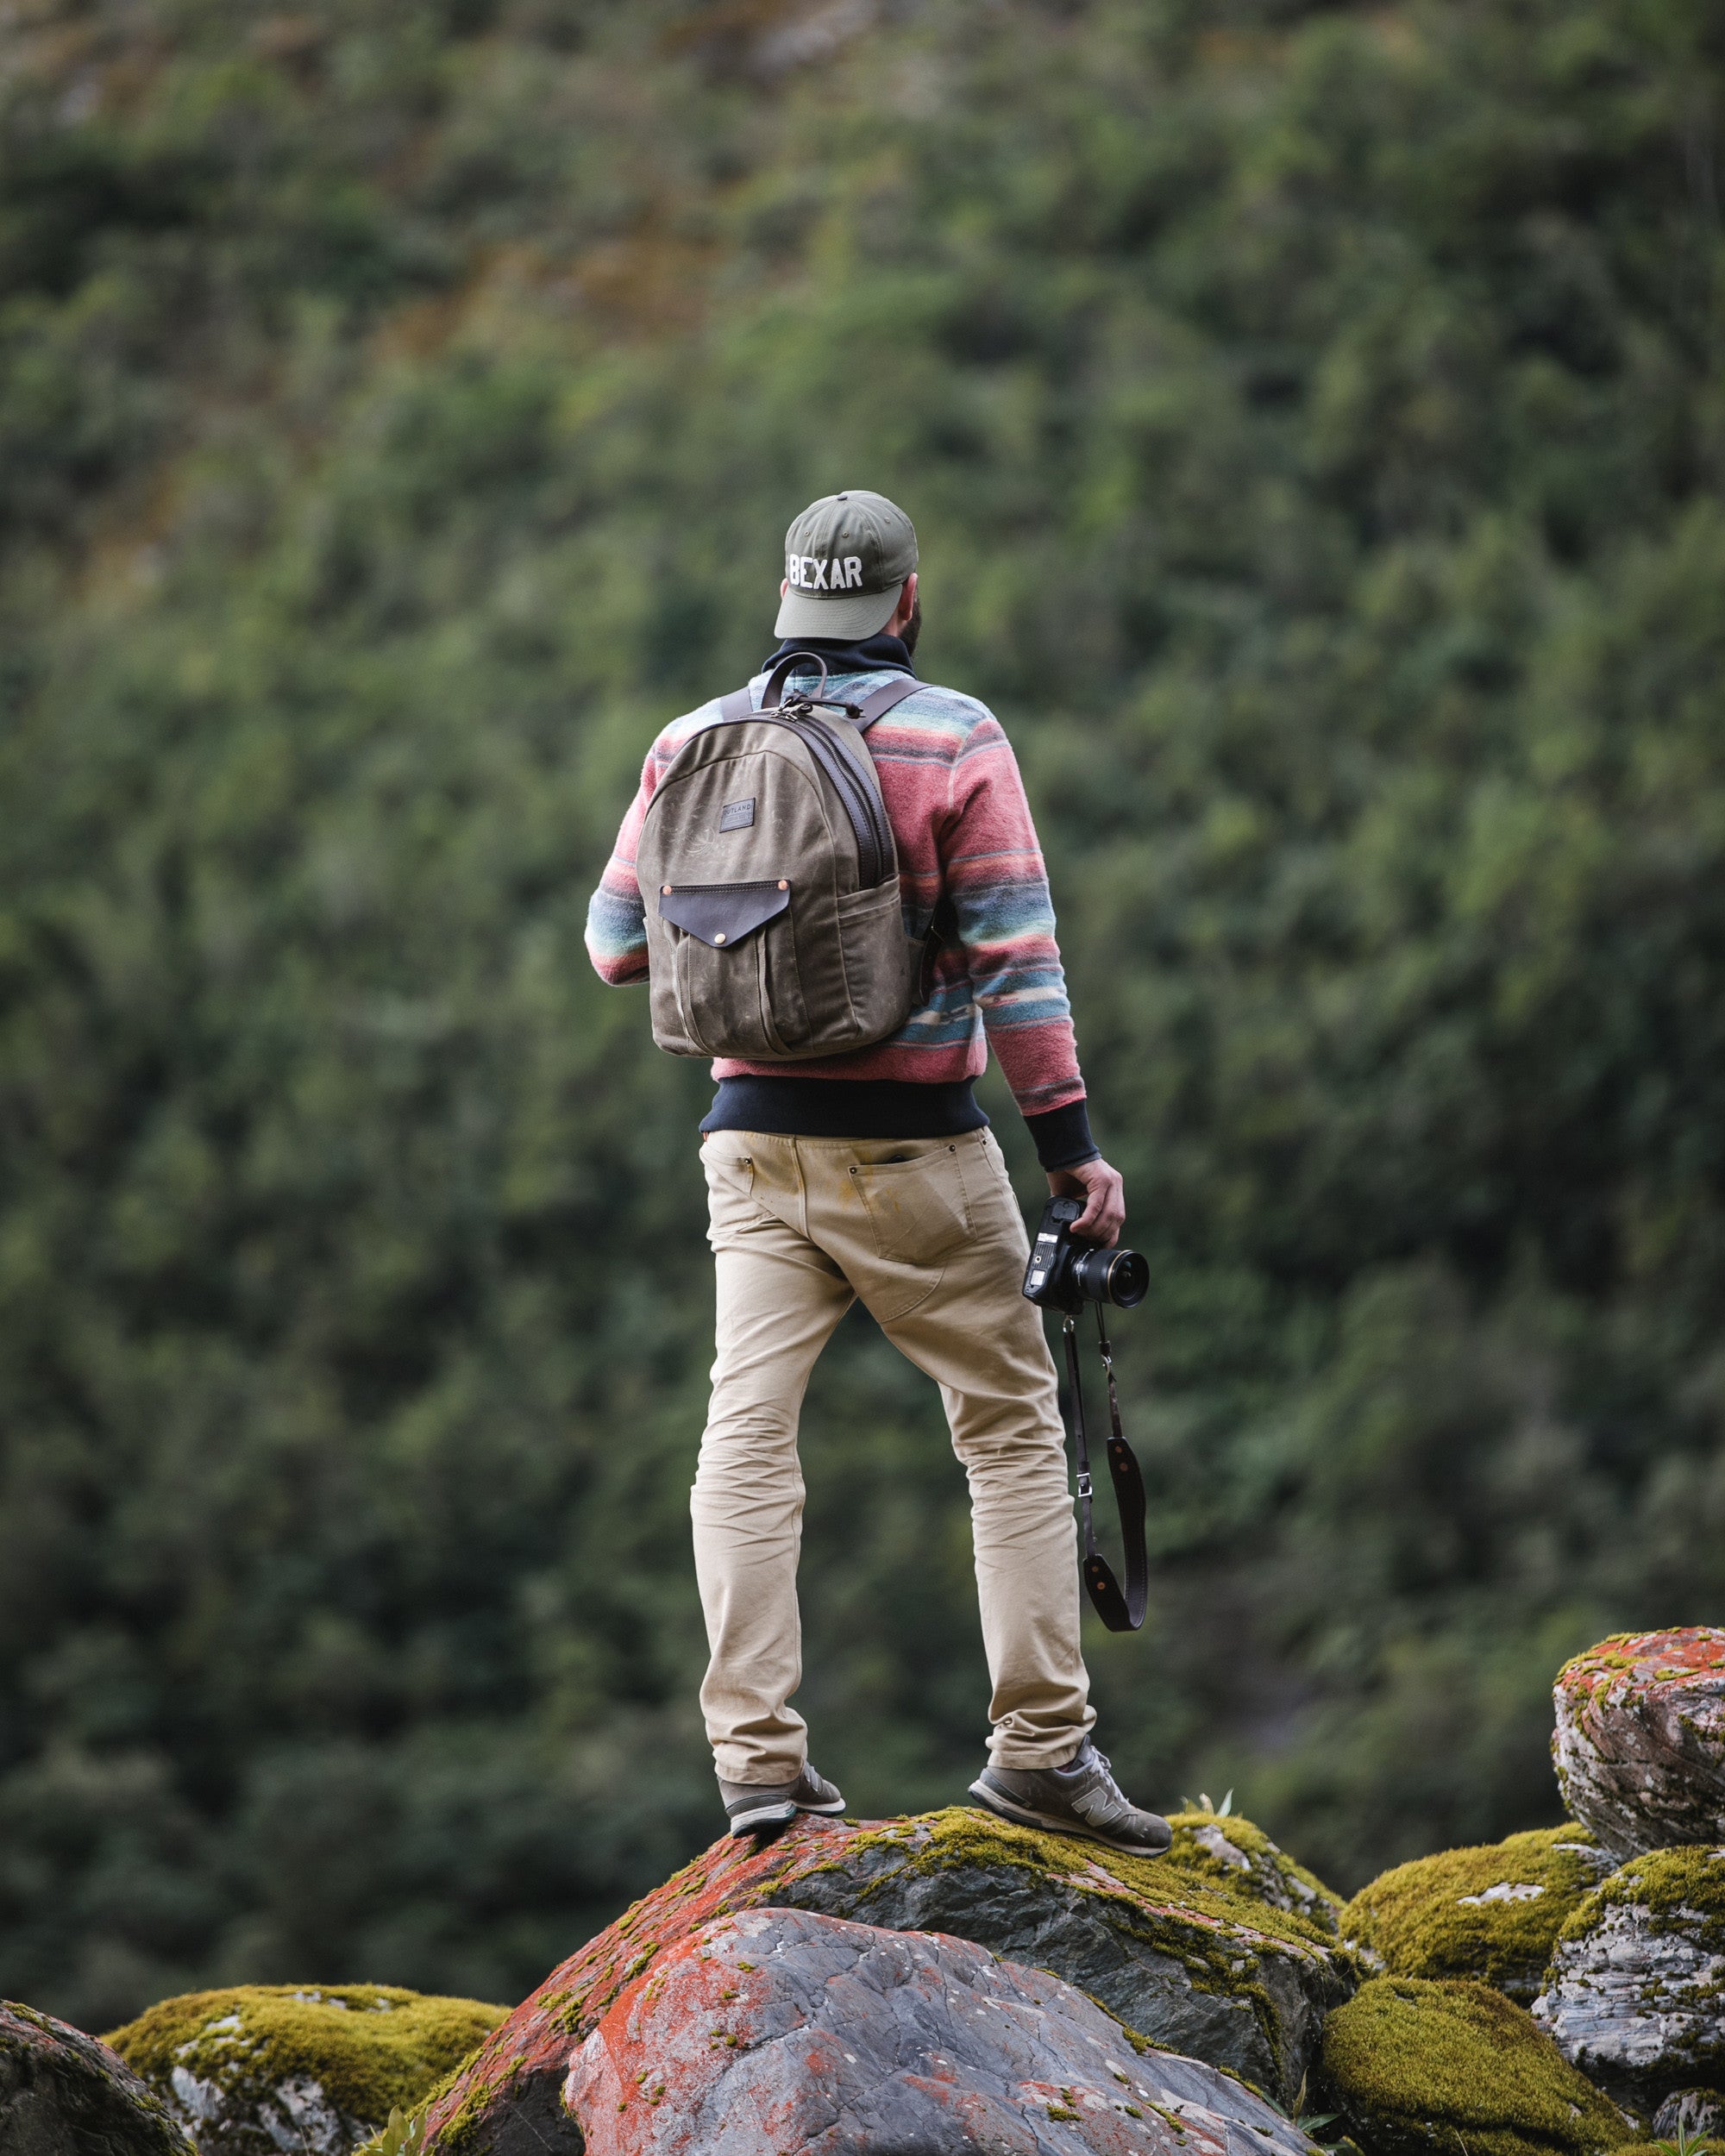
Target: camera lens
pixel 1121 1277
pixel 1128 1278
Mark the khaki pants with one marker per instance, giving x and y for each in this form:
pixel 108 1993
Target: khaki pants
pixel 927 1232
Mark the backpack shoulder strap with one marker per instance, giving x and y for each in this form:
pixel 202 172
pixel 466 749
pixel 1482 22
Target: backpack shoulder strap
pixel 738 705
pixel 879 701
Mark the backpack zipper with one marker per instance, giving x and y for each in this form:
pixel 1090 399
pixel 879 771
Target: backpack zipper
pixel 866 815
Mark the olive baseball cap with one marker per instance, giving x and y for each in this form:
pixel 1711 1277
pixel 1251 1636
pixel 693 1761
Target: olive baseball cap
pixel 846 559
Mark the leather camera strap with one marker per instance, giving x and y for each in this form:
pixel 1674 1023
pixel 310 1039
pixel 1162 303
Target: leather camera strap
pixel 1120 1612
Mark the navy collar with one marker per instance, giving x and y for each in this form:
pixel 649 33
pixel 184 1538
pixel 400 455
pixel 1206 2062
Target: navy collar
pixel 874 654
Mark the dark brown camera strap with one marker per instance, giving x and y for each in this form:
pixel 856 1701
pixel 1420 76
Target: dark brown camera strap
pixel 1118 1612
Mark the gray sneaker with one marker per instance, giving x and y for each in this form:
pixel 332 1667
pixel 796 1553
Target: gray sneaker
pixel 753 1811
pixel 1080 1798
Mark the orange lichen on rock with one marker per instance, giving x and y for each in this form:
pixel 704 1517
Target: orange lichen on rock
pixel 1224 1950
pixel 1640 1743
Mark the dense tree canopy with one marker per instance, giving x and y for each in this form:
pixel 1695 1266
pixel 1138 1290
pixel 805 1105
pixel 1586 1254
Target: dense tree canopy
pixel 1315 424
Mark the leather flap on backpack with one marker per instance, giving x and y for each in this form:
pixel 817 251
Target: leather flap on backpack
pixel 724 913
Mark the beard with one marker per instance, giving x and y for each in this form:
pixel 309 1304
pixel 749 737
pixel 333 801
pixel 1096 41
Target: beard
pixel 913 627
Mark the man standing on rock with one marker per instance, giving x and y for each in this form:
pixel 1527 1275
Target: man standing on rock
pixel 873 1174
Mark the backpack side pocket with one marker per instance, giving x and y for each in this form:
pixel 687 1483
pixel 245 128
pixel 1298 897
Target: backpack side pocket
pixel 879 960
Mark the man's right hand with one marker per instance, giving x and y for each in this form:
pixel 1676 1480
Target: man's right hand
pixel 1104 1192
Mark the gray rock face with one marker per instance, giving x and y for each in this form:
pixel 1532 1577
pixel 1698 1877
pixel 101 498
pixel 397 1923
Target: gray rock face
pixel 1695 2113
pixel 784 2029
pixel 1229 1982
pixel 1636 1993
pixel 63 2094
pixel 1640 1744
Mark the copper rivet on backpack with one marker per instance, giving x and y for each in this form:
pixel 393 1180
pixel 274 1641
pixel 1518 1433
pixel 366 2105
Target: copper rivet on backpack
pixel 783 885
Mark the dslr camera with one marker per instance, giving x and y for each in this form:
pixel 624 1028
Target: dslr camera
pixel 1064 1274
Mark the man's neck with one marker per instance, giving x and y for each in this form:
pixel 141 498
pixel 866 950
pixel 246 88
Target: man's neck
pixel 884 654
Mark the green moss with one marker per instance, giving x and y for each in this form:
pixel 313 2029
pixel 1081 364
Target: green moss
pixel 1456 2069
pixel 439 2088
pixel 1681 1889
pixel 1269 1894
pixel 1682 1892
pixel 1239 1861
pixel 1449 1915
pixel 465 2127
pixel 1215 1910
pixel 371 2047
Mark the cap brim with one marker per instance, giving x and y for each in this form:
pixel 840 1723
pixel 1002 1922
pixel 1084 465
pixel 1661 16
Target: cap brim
pixel 846 620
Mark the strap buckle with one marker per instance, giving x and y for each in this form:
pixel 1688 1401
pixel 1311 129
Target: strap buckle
pixel 1086 1488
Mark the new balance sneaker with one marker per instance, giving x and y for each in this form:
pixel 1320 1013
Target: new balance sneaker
pixel 755 1811
pixel 1081 1797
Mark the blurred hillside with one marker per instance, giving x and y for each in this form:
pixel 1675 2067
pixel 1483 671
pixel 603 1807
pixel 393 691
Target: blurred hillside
pixel 1314 421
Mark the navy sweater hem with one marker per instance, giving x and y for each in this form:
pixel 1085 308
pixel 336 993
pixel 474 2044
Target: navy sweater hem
pixel 790 1106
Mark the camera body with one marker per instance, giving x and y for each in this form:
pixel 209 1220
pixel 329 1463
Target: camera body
pixel 1064 1274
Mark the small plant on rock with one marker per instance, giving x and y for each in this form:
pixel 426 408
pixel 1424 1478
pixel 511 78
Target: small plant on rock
pixel 402 2136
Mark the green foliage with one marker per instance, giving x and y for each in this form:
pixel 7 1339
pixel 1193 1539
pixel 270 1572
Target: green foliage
pixel 370 2049
pixel 401 2136
pixel 1441 2067
pixel 1493 1913
pixel 1312 418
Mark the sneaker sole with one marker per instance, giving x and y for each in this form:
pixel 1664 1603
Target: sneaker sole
pixel 781 1813
pixel 1022 1816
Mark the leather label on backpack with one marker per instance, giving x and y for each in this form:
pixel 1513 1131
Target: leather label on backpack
pixel 737 816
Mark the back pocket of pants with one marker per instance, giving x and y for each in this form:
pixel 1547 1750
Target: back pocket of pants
pixel 916 1207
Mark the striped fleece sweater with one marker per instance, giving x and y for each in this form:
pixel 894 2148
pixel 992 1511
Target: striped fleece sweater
pixel 952 792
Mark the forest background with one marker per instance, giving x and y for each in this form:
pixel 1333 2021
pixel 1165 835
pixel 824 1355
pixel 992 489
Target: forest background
pixel 1313 419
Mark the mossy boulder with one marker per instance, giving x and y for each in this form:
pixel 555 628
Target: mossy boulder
pixel 1640 1743
pixel 63 2094
pixel 1419 2068
pixel 313 2069
pixel 779 2030
pixel 1197 1952
pixel 1224 1949
pixel 1635 1992
pixel 1492 1912
pixel 1227 1852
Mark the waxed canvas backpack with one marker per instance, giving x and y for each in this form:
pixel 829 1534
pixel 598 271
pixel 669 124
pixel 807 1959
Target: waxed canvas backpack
pixel 770 881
